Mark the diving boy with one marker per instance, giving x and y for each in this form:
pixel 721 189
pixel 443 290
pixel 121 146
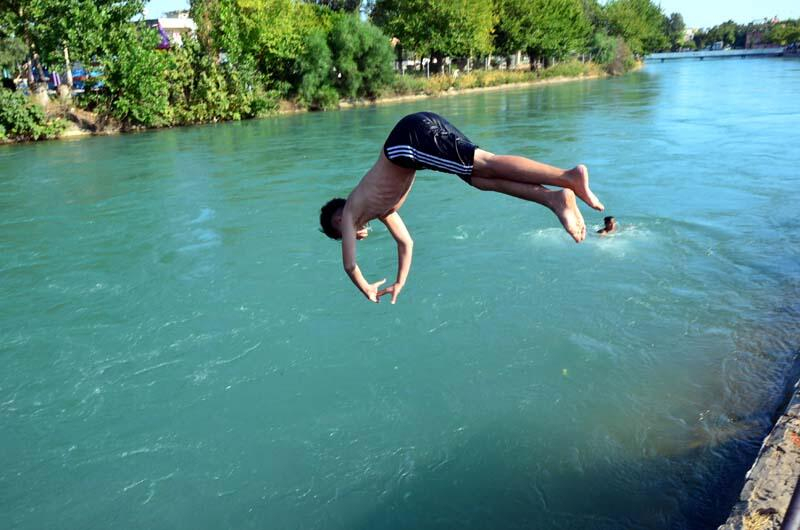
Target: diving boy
pixel 425 140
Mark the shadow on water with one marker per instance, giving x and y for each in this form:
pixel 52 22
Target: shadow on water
pixel 491 482
pixel 498 478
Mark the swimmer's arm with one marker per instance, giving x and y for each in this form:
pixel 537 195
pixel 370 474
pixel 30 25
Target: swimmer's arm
pixel 405 249
pixel 349 260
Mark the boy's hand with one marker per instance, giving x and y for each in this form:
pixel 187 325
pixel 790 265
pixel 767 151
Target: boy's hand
pixel 372 292
pixel 393 289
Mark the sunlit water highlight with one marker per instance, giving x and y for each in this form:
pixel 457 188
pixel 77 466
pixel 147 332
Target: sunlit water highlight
pixel 180 347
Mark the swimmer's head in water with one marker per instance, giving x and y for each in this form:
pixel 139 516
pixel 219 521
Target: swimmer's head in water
pixel 330 219
pixel 610 222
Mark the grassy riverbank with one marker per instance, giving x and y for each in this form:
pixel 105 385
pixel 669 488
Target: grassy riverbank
pixel 66 120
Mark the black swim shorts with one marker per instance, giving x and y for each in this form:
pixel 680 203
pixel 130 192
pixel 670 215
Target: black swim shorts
pixel 427 141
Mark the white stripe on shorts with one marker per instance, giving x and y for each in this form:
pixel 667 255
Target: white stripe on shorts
pixel 435 161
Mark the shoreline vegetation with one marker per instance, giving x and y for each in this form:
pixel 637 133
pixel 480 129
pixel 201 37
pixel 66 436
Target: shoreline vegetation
pixel 78 123
pixel 114 70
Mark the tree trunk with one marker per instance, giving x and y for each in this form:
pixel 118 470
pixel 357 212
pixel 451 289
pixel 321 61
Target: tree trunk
pixel 534 61
pixel 69 67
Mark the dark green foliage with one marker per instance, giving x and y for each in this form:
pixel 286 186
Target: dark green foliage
pixel 725 32
pixel 315 66
pixel 84 26
pixel 352 6
pixel 640 22
pixel 22 120
pixel 781 33
pixel 362 57
pixel 136 90
pixel 12 52
pixel 249 54
pixel 545 29
pixel 438 28
pixel 675 29
pixel 612 53
pixel 353 60
pixel 785 32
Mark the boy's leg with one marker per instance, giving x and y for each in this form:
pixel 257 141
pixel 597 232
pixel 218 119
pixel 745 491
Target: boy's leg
pixel 520 169
pixel 561 202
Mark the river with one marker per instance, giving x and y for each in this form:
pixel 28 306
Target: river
pixel 180 347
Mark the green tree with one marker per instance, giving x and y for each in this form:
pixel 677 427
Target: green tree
pixel 351 6
pixel 361 55
pixel 675 30
pixel 640 22
pixel 725 32
pixel 12 52
pixel 512 27
pixel 85 27
pixel 785 32
pixel 438 28
pixel 22 120
pixel 545 29
pixel 263 37
pixel 316 89
pixel 136 90
pixel 558 28
pixel 700 39
pixel 612 53
pixel 594 14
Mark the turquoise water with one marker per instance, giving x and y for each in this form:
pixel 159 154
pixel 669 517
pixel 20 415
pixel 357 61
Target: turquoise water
pixel 180 347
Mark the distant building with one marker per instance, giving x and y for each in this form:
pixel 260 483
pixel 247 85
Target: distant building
pixel 689 33
pixel 181 13
pixel 173 28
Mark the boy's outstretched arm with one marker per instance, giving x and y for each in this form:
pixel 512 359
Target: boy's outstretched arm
pixel 405 249
pixel 370 290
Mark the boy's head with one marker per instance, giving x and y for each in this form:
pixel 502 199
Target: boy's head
pixel 330 220
pixel 610 221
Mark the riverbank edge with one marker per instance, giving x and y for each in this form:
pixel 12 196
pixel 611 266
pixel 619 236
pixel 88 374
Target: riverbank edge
pixel 83 124
pixel 771 481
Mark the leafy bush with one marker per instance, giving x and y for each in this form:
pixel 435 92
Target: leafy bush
pixel 315 65
pixel 612 53
pixel 623 59
pixel 403 85
pixel 22 120
pixel 136 91
pixel 362 57
pixel 572 68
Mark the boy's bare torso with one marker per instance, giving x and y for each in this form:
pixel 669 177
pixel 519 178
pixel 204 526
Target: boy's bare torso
pixel 381 192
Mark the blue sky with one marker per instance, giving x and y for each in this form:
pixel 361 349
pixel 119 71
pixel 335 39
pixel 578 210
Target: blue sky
pixel 155 8
pixel 696 13
pixel 707 13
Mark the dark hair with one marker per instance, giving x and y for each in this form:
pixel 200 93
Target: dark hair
pixel 607 219
pixel 326 214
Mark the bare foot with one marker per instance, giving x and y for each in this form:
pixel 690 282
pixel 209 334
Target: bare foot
pixel 562 202
pixel 581 187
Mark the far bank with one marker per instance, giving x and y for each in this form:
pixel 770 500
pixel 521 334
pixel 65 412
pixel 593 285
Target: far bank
pixel 61 118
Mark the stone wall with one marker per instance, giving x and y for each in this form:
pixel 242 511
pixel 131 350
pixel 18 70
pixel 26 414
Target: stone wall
pixel 770 483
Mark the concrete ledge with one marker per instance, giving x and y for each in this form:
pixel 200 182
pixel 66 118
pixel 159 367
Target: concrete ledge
pixel 716 54
pixel 770 483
